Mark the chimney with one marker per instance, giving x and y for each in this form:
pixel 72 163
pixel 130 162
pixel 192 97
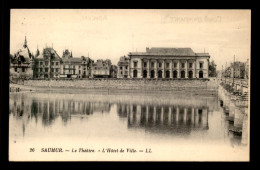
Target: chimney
pixel 147 49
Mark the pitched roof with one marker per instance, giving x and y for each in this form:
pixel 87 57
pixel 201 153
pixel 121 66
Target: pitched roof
pixel 169 52
pixel 166 51
pixel 72 60
pixel 202 54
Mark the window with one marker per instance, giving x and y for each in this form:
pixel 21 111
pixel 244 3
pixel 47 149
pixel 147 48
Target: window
pixel 167 65
pixel 57 70
pixel 120 68
pixel 15 69
pixel 190 65
pixel 41 63
pixel 40 69
pixel 52 70
pixel 46 63
pixel 126 72
pixel 52 63
pixel 145 64
pixel 46 69
pixel 175 65
pixel 183 65
pixel 160 64
pixel 121 72
pixel 125 67
pixel 79 72
pixel 152 64
pixel 57 63
pixel 135 63
pixel 201 65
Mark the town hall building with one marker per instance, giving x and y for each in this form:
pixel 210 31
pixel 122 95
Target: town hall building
pixel 169 63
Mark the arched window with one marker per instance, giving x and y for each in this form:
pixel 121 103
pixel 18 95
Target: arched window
pixel 135 74
pixel 144 74
pixel 160 74
pixel 175 74
pixel 152 74
pixel 190 74
pixel 201 74
pixel 182 74
pixel 167 74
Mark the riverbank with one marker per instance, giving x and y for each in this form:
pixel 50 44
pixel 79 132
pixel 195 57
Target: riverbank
pixel 199 87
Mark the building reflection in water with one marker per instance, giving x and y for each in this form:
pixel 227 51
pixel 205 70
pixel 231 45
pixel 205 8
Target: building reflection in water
pixel 164 118
pixel 172 118
pixel 48 110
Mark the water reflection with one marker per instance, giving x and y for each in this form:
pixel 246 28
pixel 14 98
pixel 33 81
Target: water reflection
pixel 51 109
pixel 173 118
pixel 164 118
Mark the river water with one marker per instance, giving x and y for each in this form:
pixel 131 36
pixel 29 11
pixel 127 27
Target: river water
pixel 181 127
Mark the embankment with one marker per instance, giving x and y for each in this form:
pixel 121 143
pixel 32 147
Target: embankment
pixel 121 85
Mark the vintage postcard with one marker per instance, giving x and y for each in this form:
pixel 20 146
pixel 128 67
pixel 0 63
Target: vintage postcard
pixel 129 85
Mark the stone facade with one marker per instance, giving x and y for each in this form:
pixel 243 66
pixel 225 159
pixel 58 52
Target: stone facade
pixel 168 63
pixel 47 64
pixel 101 68
pixel 75 67
pixel 123 67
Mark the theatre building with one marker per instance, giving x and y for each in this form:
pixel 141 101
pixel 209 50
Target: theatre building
pixel 169 63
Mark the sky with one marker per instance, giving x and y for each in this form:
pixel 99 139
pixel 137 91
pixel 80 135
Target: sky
pixel 112 33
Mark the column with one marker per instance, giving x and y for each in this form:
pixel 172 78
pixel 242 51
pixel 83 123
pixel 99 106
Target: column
pixel 163 69
pixel 171 69
pixel 194 69
pixel 156 69
pixel 141 74
pixel 185 115
pixel 148 69
pixel 186 71
pixel 179 70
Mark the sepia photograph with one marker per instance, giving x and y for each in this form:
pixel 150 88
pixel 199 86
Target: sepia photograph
pixel 129 85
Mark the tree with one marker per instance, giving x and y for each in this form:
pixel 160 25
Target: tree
pixel 212 69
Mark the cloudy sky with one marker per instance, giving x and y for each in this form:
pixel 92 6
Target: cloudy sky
pixel 109 34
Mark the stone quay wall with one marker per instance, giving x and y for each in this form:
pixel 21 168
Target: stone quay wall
pixel 130 84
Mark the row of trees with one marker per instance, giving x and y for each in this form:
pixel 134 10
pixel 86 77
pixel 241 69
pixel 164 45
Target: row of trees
pixel 212 69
